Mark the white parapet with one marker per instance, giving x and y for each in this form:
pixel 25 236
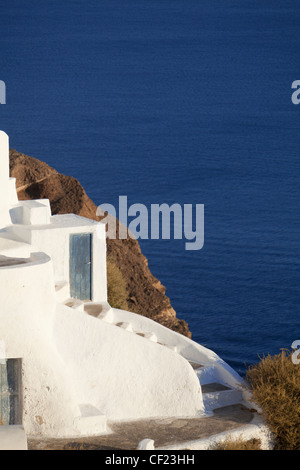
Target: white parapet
pixel 8 194
pixel 4 161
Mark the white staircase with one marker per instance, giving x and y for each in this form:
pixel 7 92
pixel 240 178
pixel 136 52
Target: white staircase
pixel 75 303
pixel 215 393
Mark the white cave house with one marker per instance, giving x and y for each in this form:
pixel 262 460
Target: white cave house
pixel 69 363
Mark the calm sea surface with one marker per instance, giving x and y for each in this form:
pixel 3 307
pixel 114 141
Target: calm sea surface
pixel 176 101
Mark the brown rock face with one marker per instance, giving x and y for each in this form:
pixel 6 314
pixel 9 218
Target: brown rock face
pixel 37 180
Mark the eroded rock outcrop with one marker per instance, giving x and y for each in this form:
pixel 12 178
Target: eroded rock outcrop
pixel 146 295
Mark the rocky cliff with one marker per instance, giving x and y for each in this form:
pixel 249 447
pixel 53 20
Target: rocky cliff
pixel 146 295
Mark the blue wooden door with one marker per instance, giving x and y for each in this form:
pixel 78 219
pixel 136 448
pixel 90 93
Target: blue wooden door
pixel 81 266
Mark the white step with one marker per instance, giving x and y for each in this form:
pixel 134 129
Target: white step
pixel 126 326
pixel 172 347
pixel 196 366
pixel 151 336
pixel 75 303
pixel 207 374
pixel 62 290
pixel 148 335
pixel 91 421
pixel 103 311
pixel 216 395
pixel 107 316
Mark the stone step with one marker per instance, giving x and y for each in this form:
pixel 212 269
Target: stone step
pixel 217 395
pixel 195 365
pixel 126 326
pixel 172 347
pixel 214 387
pixel 206 374
pixel 150 336
pixel 62 291
pixel 75 303
pixel 103 311
pixel 107 316
pixel 91 421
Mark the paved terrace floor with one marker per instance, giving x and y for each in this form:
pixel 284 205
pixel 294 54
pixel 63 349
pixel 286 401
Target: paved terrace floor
pixel 164 432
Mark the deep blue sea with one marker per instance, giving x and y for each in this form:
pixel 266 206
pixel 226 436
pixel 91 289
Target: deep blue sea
pixel 176 101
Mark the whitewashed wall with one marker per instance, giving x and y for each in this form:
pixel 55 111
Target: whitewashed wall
pixel 26 319
pixel 122 374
